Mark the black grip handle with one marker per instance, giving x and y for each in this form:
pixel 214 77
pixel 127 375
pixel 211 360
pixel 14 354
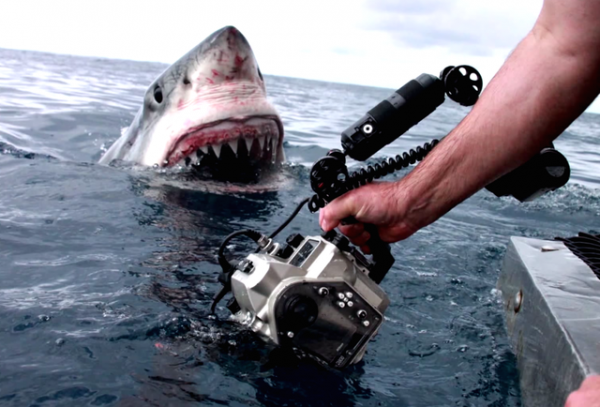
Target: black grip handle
pixel 382 255
pixel 382 259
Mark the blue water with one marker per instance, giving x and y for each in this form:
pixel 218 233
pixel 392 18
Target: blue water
pixel 107 273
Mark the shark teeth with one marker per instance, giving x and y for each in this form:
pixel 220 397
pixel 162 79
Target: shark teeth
pixel 261 142
pixel 248 142
pixel 234 146
pixel 217 149
pixel 268 149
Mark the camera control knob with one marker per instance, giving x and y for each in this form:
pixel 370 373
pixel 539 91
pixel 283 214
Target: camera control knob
pixel 329 236
pixel 246 266
pixel 341 242
pixel 337 239
pixel 361 313
pixel 295 240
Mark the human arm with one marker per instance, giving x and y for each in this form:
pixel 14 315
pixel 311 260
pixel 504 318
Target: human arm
pixel 547 82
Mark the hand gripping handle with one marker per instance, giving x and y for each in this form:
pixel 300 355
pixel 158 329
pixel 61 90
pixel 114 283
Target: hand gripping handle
pixel 382 259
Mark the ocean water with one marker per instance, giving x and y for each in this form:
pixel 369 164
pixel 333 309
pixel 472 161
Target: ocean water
pixel 107 274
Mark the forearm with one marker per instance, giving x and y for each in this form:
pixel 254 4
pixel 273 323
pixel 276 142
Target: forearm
pixel 541 88
pixel 549 80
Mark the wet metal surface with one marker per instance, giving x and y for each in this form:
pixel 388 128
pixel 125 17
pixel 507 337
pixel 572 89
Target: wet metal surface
pixel 552 303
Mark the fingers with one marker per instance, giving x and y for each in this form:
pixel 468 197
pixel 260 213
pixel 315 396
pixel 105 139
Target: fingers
pixel 356 233
pixel 367 204
pixel 353 230
pixel 341 208
pixel 358 236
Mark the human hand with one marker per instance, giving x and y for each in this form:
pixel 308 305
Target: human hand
pixel 588 394
pixel 381 204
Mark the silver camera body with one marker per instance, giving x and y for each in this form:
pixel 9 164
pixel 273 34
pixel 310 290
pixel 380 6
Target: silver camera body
pixel 313 295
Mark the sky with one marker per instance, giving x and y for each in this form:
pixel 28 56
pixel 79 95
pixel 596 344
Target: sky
pixel 380 43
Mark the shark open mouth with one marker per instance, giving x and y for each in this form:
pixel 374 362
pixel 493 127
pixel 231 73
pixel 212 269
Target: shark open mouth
pixel 231 150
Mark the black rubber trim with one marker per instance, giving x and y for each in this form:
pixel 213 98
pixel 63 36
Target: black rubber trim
pixel 587 247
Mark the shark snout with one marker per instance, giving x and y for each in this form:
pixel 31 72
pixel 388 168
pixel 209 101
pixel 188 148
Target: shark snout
pixel 230 59
pixel 233 35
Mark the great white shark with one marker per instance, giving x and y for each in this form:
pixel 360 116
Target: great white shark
pixel 208 111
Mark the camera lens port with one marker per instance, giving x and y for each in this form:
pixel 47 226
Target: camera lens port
pixel 300 312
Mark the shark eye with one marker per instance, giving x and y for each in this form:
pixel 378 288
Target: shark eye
pixel 186 81
pixel 158 96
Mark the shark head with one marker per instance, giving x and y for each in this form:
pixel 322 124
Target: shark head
pixel 207 111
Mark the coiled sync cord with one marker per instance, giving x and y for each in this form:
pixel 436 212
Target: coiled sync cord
pixel 367 174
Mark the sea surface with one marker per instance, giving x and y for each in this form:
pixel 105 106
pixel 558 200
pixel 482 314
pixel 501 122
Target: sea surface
pixel 107 274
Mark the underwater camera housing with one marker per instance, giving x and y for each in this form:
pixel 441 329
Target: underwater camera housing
pixel 318 295
pixel 313 295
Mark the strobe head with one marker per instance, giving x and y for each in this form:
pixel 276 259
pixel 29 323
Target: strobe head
pixel 393 116
pixel 407 106
pixel 544 172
